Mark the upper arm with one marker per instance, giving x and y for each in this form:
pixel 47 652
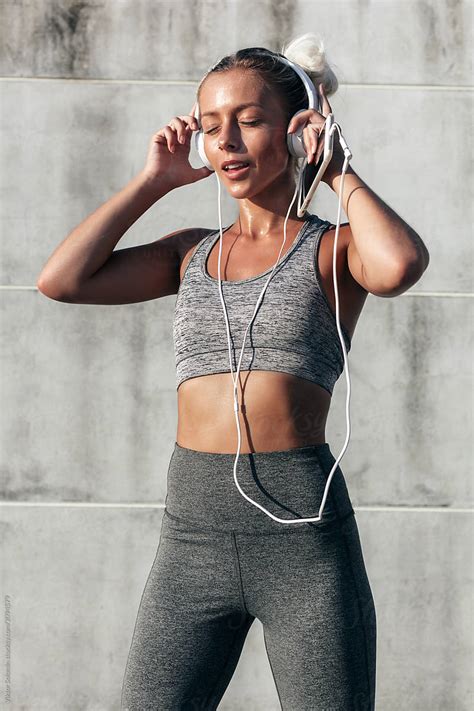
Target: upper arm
pixel 354 263
pixel 391 287
pixel 134 274
pixel 354 268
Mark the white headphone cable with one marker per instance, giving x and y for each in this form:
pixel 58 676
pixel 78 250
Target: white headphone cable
pixel 299 189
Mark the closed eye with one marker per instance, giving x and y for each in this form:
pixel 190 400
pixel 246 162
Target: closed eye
pixel 244 123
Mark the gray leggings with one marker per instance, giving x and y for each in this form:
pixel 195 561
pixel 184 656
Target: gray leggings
pixel 221 562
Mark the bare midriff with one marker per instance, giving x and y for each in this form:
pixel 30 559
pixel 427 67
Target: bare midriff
pixel 276 411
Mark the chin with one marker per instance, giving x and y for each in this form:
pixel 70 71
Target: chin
pixel 252 182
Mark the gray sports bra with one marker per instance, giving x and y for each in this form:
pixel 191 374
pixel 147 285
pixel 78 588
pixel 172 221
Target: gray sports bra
pixel 293 332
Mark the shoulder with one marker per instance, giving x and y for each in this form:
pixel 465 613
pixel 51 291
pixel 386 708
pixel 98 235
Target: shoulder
pixel 328 236
pixel 189 238
pixel 344 232
pixel 344 239
pixel 188 241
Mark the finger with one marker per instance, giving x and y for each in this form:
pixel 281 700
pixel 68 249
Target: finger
pixel 193 112
pixel 303 118
pixel 178 124
pixel 193 122
pixel 170 136
pixel 296 121
pixel 312 139
pixel 320 149
pixel 159 138
pixel 182 124
pixel 326 106
pixel 309 142
pixel 187 121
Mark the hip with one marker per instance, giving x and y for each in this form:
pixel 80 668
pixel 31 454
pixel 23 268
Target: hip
pixel 289 483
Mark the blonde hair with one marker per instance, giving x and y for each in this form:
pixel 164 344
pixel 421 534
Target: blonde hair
pixel 309 53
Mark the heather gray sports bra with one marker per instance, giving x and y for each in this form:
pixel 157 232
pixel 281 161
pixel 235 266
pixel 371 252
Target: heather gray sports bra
pixel 293 332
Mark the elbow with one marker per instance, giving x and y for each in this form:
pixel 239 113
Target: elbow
pixel 403 274
pixel 414 270
pixel 401 279
pixel 44 288
pixel 52 292
pixel 420 261
pixel 41 285
pixel 426 256
pixel 411 271
pixel 408 275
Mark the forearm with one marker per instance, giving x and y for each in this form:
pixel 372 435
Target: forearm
pixel 91 243
pixel 383 240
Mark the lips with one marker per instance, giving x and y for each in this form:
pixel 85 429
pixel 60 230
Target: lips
pixel 237 163
pixel 237 174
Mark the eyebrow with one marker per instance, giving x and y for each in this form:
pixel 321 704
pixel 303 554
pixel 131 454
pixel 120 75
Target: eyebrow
pixel 237 108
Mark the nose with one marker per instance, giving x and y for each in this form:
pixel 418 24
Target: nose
pixel 227 143
pixel 227 139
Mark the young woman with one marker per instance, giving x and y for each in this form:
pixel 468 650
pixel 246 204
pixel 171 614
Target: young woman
pixel 221 562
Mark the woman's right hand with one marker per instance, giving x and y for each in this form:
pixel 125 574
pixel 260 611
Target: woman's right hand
pixel 168 153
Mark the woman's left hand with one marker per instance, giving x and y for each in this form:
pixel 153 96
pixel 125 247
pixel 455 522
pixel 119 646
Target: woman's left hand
pixel 313 137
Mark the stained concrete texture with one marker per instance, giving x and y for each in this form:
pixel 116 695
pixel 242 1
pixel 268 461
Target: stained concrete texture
pixel 392 42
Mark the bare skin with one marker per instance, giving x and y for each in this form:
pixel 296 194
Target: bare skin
pixel 278 410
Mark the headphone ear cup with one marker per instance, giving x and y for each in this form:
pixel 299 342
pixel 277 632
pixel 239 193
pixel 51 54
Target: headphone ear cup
pixel 294 140
pixel 198 138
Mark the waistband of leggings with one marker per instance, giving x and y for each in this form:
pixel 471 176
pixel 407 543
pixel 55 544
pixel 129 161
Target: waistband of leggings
pixel 289 483
pixel 271 454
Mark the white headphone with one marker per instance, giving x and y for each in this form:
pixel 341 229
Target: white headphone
pixel 296 148
pixel 294 140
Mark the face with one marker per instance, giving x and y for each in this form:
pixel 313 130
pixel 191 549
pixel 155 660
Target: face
pixel 255 134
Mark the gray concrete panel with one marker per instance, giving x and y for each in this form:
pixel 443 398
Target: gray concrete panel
pixel 410 408
pixel 379 42
pixel 420 569
pixel 90 393
pixel 73 145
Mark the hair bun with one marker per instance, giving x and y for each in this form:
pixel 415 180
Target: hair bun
pixel 308 51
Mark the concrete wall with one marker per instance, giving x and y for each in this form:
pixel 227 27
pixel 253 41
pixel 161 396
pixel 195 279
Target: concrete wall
pixel 88 394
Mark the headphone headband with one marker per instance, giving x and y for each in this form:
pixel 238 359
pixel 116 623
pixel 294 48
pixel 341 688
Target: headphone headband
pixel 313 96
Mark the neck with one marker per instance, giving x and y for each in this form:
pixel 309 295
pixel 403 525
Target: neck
pixel 259 221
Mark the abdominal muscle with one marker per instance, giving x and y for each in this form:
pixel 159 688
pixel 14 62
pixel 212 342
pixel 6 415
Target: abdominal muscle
pixel 276 411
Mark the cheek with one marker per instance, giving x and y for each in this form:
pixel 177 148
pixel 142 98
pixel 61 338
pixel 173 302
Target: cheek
pixel 273 149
